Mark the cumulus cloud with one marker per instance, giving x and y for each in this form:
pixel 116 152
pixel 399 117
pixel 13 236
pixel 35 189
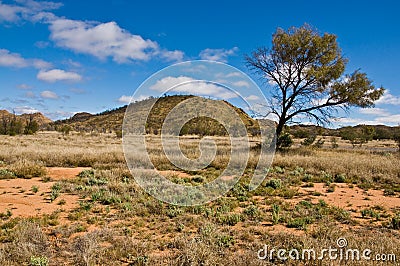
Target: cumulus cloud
pixel 59 114
pixel 10 13
pixel 127 99
pixel 389 98
pixel 54 75
pixel 104 40
pixel 25 9
pixel 389 119
pixel 374 111
pixel 9 59
pixel 188 85
pixel 49 95
pixel 241 83
pixel 220 55
pixel 252 98
pixel 25 110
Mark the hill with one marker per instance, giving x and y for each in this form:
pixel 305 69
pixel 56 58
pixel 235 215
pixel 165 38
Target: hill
pixel 377 131
pixel 11 124
pixel 111 120
pixel 38 117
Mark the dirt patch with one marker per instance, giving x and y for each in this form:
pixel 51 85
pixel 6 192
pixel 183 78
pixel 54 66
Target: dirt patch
pixel 351 197
pixel 31 197
pixel 60 173
pixel 18 196
pixel 170 173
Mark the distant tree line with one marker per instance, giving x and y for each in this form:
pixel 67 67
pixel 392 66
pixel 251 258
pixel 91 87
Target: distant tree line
pixel 11 125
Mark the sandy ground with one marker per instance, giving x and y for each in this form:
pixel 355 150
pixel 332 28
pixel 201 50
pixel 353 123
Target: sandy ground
pixel 352 197
pixel 17 196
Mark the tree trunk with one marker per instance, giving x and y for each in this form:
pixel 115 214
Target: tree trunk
pixel 280 127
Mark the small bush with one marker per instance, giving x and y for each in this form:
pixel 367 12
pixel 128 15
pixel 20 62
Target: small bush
pixel 284 141
pixel 28 169
pixel 55 192
pixel 251 211
pixel 309 140
pixel 230 219
pixel 7 174
pixel 274 183
pixel 340 178
pixel 225 241
pixel 276 209
pixel 396 222
pixel 38 261
pixel 35 189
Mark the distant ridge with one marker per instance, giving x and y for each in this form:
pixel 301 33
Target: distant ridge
pixel 41 119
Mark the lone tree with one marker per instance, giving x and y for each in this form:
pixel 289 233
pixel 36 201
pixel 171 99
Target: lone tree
pixel 305 71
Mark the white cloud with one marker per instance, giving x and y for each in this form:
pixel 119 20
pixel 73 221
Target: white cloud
pixel 40 64
pixel 127 99
pixel 241 83
pixel 25 9
pixel 252 98
pixel 104 40
pixel 188 85
pixel 54 75
pixel 220 55
pixel 374 111
pixel 10 13
pixel 59 114
pixel 172 55
pixel 234 74
pixel 389 119
pixel 49 95
pixel 25 110
pixel 8 59
pixel 388 98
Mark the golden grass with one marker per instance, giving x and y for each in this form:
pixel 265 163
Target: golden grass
pixel 118 223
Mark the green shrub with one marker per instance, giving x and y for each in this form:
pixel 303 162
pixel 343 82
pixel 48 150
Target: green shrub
pixel 174 211
pixel 340 178
pixel 274 183
pixel 396 221
pixel 55 192
pixel 225 241
pixel 35 189
pixel 251 211
pixel 309 140
pixel 284 141
pixel 38 261
pixel 276 209
pixel 230 219
pixel 7 174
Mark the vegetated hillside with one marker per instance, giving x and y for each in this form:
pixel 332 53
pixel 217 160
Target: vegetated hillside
pixel 376 131
pixel 111 120
pixel 38 117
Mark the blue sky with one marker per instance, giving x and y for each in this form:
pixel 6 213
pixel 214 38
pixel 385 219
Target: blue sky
pixel 64 57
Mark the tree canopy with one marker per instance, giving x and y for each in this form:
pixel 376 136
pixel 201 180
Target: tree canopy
pixel 305 72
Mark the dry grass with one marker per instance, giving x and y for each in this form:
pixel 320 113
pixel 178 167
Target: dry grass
pixel 117 222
